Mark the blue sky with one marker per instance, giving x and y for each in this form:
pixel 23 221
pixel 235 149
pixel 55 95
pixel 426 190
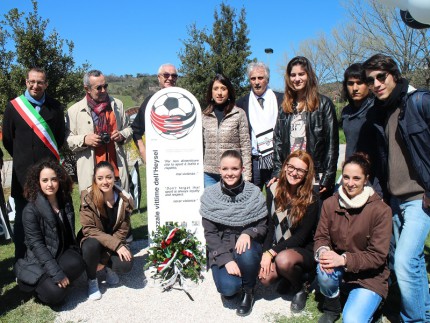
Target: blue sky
pixel 136 36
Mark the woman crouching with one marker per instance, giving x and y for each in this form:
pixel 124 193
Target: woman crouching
pixel 351 246
pixel 105 218
pixel 52 260
pixel 235 223
pixel 288 248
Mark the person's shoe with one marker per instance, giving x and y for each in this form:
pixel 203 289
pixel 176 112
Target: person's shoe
pixel 298 302
pixel 284 287
pixel 245 305
pixel 93 290
pixel 332 309
pixel 329 317
pixel 112 278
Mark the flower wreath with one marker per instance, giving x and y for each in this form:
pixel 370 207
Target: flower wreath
pixel 177 256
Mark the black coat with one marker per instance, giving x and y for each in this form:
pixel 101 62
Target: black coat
pixel 24 145
pixel 243 103
pixel 322 144
pixel 42 238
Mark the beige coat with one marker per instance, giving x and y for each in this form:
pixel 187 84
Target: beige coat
pixel 232 133
pixel 79 124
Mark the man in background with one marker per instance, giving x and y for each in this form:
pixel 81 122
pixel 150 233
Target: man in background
pixel 97 129
pixel 261 106
pixel 33 129
pixel 167 76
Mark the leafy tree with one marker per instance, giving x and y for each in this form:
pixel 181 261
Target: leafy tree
pixel 27 34
pixel 223 50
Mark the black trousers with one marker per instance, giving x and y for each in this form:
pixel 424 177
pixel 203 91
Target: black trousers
pixel 18 228
pixel 92 250
pixel 47 290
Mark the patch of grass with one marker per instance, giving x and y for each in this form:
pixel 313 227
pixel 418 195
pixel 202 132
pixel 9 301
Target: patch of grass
pixel 6 155
pixel 126 100
pixel 17 306
pixel 342 139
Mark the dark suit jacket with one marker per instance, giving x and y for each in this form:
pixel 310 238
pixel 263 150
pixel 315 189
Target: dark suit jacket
pixel 24 145
pixel 243 103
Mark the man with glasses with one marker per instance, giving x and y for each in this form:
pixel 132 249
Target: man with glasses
pixel 97 129
pixel 167 76
pixel 33 129
pixel 402 121
pixel 261 106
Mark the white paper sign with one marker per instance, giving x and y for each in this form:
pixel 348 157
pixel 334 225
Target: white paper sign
pixel 174 160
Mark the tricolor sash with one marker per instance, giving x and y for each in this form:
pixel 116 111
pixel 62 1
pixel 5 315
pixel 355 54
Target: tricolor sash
pixel 37 123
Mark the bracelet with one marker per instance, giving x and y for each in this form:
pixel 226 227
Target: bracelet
pixel 270 254
pixel 344 257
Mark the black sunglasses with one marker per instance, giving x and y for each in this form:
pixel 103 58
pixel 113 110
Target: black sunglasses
pixel 381 77
pixel 100 87
pixel 167 75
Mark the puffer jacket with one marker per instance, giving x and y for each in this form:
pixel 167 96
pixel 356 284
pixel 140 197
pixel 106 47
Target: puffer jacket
pixel 232 133
pixel 322 141
pixel 92 226
pixel 43 240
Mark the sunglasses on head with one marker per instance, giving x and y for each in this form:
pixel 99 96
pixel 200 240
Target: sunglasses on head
pixel 381 77
pixel 167 75
pixel 100 87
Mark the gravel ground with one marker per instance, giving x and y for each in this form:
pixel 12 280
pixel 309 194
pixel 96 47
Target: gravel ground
pixel 134 300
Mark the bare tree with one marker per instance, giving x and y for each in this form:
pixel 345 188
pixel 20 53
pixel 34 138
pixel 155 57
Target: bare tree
pixel 372 28
pixel 383 31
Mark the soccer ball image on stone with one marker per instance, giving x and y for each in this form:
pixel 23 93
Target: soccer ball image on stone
pixel 173 115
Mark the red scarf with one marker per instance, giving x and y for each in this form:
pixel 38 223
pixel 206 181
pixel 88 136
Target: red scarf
pixel 106 123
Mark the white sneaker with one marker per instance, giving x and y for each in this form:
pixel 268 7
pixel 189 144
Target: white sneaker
pixel 112 278
pixel 93 290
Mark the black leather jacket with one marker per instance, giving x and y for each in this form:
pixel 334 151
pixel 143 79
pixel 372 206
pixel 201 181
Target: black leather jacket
pixel 322 141
pixel 43 240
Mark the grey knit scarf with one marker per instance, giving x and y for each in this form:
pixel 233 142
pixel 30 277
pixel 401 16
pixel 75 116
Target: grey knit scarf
pixel 245 208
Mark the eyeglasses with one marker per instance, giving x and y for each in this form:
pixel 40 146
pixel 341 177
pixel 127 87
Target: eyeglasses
pixel 103 86
pixel 381 77
pixel 167 75
pixel 300 171
pixel 33 82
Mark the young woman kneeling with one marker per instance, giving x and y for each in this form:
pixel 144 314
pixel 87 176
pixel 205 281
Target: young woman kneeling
pixel 288 248
pixel 235 223
pixel 52 260
pixel 351 246
pixel 105 219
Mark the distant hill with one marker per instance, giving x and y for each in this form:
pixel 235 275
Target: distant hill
pixel 132 90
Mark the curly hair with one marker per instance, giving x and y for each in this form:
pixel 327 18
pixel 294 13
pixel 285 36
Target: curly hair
pixel 303 196
pixel 311 89
pixel 231 95
pixel 32 183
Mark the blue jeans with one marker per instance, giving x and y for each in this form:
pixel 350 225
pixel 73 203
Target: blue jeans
pixel 411 225
pixel 361 303
pixel 211 179
pixel 249 265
